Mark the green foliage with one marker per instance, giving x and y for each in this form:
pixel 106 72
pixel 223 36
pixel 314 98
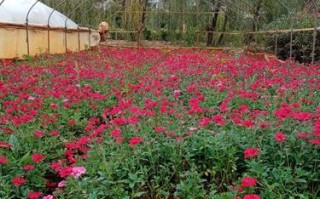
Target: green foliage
pixel 302 42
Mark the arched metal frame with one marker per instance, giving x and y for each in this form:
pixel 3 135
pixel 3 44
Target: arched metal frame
pixel 49 18
pixel 27 26
pixel 1 2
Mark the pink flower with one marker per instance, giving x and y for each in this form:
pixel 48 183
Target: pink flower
pixel 251 152
pixel 135 140
pixel 248 182
pixel 251 196
pixel 177 93
pixel 62 184
pixel 280 137
pixel 78 171
pixel 48 197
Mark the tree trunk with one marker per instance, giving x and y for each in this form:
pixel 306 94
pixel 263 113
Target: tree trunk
pixel 220 41
pixel 141 24
pixel 212 27
pixel 256 14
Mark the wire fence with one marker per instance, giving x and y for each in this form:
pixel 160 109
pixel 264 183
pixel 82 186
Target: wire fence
pixel 238 23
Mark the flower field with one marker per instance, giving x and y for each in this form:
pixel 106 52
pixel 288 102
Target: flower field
pixel 185 124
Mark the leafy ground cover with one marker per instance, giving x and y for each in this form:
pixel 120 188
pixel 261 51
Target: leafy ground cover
pixel 129 123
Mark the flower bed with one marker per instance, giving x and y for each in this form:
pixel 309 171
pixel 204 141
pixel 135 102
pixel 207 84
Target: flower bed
pixel 129 123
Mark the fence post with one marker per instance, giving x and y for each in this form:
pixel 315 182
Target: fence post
pixel 291 37
pixel 276 46
pixel 314 31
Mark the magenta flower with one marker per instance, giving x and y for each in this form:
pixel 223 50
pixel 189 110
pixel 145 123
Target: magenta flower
pixel 251 152
pixel 135 140
pixel 280 137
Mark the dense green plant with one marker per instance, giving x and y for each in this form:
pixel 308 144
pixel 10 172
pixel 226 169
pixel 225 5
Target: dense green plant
pixel 302 42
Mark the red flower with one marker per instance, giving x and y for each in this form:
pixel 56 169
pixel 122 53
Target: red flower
pixel 37 157
pixel 56 166
pixel 133 120
pixel 204 121
pixel 280 137
pixel 248 182
pixel 178 139
pixel 247 123
pixel 135 140
pixel 34 195
pixel 3 160
pixel 18 181
pixel 39 134
pixel 218 119
pixel 5 145
pixel 302 135
pixel 7 131
pixel 72 122
pixel 54 106
pixel 315 142
pixel 65 172
pixel 119 140
pixel 283 113
pixel 251 196
pixel 251 152
pixel 264 125
pixel 119 121
pixel 302 116
pixel 54 133
pixel 115 133
pixel 159 129
pixel 28 167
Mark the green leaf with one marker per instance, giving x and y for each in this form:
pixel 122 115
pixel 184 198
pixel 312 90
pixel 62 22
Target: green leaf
pixel 139 194
pixel 15 143
pixel 25 158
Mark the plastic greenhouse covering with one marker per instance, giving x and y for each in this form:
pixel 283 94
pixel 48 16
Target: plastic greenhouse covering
pixel 15 11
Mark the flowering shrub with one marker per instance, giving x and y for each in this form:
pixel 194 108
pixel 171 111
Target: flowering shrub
pixel 129 123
